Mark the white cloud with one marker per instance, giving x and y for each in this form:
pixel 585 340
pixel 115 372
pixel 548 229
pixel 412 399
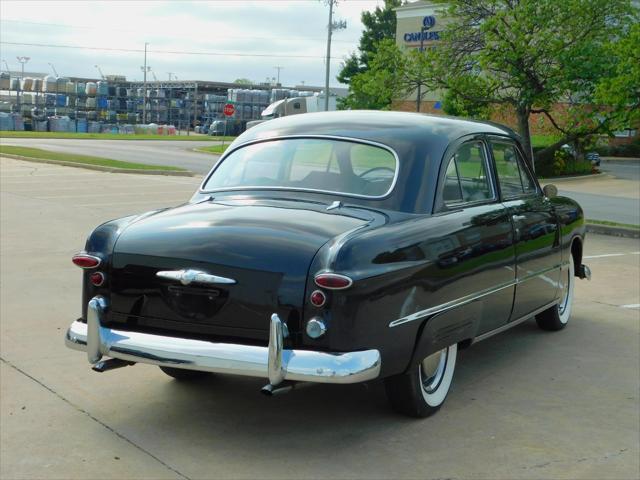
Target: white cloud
pixel 287 28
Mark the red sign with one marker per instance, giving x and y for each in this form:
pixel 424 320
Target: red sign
pixel 229 109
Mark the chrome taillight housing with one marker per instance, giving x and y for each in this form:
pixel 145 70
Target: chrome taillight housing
pixel 84 260
pixel 333 281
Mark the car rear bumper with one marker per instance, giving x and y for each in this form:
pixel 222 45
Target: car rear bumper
pixel 273 362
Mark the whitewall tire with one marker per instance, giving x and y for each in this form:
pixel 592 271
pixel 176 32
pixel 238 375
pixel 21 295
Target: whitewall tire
pixel 422 390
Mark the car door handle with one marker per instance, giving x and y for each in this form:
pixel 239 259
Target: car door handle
pixel 518 218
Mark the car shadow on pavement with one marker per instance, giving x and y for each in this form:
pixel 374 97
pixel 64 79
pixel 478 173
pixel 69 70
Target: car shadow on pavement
pixel 223 411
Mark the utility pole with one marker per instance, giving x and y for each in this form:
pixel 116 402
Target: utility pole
pixel 419 93
pixel 22 61
pixel 330 28
pixel 195 108
pixel 100 72
pixel 145 69
pixel 277 67
pixel 170 75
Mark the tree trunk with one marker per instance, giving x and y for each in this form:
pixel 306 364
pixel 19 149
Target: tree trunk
pixel 523 129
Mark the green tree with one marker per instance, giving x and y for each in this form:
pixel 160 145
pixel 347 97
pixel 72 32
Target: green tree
pixel 243 81
pixel 391 74
pixel 621 90
pixel 378 25
pixel 528 55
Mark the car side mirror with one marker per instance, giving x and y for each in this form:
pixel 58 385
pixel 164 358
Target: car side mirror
pixel 550 191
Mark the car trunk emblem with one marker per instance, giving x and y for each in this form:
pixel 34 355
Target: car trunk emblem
pixel 187 277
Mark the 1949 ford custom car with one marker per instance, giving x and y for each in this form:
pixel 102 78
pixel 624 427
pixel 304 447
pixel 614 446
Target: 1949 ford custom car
pixel 336 248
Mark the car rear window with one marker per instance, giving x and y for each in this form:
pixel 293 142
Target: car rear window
pixel 315 164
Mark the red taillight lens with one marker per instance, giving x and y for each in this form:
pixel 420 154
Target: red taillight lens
pixel 83 260
pixel 318 298
pixel 97 278
pixel 333 281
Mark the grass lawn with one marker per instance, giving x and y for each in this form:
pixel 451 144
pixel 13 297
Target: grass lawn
pixel 213 148
pixel 81 159
pixel 112 136
pixel 540 141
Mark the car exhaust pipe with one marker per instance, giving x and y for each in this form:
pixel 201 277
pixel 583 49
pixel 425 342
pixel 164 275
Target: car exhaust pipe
pixel 284 387
pixel 584 272
pixel 110 364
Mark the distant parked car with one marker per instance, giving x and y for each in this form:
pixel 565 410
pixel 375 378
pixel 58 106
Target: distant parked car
pixel 337 247
pixel 593 156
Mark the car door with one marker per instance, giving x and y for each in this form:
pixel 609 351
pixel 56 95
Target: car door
pixel 477 255
pixel 535 226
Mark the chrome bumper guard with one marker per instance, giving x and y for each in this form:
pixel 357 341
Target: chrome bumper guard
pixel 272 362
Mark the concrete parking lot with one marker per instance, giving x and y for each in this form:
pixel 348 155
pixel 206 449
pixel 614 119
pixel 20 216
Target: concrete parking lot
pixel 524 404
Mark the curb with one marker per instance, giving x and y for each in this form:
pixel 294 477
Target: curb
pixel 620 159
pixel 100 168
pixel 612 231
pixel 206 153
pixel 575 177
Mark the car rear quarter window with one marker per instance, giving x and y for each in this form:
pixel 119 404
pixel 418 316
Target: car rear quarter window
pixel 466 177
pixel 513 177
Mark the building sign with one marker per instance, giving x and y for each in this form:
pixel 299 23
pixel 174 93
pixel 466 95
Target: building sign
pixel 424 35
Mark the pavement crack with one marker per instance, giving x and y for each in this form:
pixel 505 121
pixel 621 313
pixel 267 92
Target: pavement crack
pixel 98 421
pixel 605 457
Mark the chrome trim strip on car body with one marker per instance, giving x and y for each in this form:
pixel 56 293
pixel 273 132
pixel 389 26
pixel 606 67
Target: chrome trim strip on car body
pixel 312 190
pixel 458 302
pixel 273 362
pixel 449 305
pixel 187 277
pixel 513 323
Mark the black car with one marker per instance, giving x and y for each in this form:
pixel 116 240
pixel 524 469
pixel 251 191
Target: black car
pixel 336 247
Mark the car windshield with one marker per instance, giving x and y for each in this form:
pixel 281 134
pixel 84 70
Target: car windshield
pixel 318 164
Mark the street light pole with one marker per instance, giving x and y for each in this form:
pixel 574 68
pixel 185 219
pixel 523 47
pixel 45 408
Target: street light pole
pixel 328 65
pixel 278 68
pixel 22 61
pixel 330 28
pixel 418 99
pixel 145 69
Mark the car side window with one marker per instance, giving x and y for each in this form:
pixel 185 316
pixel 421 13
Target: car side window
pixel 513 176
pixel 466 175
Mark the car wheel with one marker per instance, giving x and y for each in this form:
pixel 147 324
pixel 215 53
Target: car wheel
pixel 421 391
pixel 183 374
pixel 556 317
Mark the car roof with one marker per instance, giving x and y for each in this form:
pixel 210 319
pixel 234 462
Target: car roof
pixel 389 128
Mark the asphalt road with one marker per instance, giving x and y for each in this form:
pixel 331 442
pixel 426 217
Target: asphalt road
pixel 153 152
pixel 526 404
pixel 612 196
pixel 622 169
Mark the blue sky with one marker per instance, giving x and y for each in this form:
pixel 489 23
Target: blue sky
pixel 252 36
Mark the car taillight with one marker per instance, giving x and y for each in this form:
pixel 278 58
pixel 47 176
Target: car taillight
pixel 333 281
pixel 97 278
pixel 317 298
pixel 84 260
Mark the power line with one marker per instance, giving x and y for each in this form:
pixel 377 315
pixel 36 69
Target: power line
pixel 94 27
pixel 168 52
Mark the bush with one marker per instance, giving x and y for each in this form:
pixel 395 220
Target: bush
pixel 627 150
pixel 559 163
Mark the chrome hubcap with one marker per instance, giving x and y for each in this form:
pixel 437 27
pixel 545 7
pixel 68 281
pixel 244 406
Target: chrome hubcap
pixel 432 370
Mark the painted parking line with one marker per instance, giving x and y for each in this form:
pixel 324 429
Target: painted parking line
pixel 631 306
pixel 606 255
